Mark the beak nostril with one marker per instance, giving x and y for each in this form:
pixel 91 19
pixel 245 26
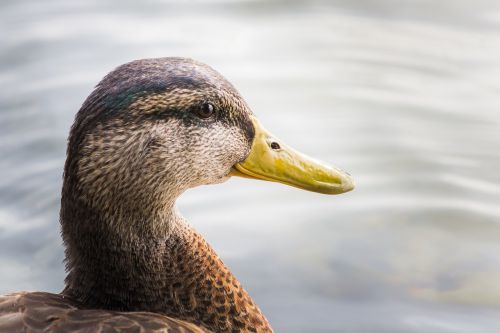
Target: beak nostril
pixel 275 145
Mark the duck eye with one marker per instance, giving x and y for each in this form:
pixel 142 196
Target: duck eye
pixel 205 111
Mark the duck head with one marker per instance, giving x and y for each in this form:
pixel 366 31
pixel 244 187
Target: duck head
pixel 156 127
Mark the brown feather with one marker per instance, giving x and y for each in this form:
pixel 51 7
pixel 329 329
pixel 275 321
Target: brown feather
pixel 53 313
pixel 134 147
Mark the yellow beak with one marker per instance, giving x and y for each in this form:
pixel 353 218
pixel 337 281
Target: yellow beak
pixel 273 161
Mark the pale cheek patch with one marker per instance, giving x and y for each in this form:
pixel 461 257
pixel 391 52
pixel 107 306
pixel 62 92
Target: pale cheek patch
pixel 207 153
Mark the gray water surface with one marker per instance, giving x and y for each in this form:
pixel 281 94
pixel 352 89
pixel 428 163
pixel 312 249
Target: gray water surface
pixel 404 94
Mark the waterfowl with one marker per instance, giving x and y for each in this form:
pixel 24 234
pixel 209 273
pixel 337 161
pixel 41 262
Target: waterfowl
pixel 150 130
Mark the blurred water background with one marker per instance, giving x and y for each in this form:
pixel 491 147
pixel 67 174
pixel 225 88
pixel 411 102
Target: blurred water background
pixel 404 94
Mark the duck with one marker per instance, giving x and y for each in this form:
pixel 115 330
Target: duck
pixel 150 130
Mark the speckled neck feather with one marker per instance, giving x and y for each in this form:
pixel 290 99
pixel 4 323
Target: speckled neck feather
pixel 174 273
pixel 127 248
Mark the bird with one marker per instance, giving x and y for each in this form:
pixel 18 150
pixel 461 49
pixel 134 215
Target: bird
pixel 150 130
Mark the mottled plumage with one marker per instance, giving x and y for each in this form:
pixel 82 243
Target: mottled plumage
pixel 45 312
pixel 150 130
pixel 136 144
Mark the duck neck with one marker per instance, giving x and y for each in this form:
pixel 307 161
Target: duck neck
pixel 152 262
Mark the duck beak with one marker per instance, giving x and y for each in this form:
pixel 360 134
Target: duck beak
pixel 271 160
